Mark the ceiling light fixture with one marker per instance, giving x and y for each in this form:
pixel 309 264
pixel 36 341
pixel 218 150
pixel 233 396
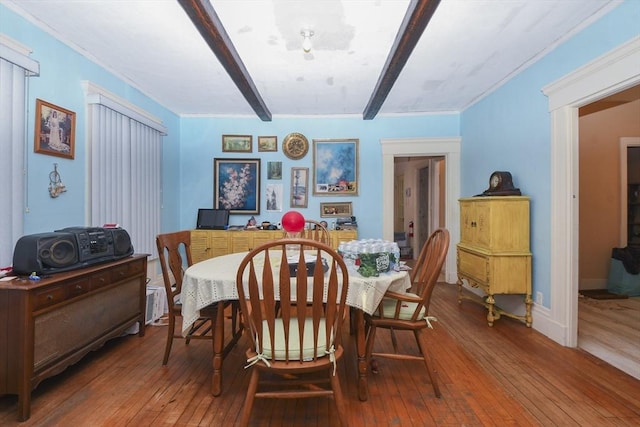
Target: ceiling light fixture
pixel 306 43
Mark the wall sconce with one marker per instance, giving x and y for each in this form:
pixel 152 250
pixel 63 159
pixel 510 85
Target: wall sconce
pixel 306 43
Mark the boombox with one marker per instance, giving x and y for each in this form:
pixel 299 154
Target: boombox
pixel 69 249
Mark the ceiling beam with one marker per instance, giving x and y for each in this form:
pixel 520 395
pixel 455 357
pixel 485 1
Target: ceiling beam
pixel 415 21
pixel 210 27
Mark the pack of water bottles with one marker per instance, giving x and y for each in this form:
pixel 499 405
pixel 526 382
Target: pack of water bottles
pixel 370 257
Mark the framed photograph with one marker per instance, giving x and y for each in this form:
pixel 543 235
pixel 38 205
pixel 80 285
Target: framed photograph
pixel 274 197
pixel 336 209
pixel 236 185
pixel 299 187
pixel 237 143
pixel 55 132
pixel 274 170
pixel 335 167
pixel 267 143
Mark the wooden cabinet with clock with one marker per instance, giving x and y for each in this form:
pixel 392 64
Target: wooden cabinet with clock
pixel 494 254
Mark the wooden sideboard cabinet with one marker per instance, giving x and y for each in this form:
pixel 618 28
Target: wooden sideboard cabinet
pixel 207 244
pixel 50 324
pixel 494 251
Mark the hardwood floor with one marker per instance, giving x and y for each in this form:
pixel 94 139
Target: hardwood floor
pixel 610 330
pixel 504 375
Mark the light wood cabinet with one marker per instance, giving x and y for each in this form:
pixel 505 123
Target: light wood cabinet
pixel 207 244
pixel 494 251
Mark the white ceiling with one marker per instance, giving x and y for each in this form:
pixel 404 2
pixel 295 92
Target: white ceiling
pixel 469 48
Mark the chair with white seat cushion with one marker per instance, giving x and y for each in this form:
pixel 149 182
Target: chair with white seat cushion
pixel 294 318
pixel 410 311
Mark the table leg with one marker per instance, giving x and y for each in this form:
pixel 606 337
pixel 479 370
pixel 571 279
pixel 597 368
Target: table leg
pixel 218 349
pixel 363 390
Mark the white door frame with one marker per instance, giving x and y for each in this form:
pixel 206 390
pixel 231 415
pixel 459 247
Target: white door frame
pixel 611 73
pixel 414 147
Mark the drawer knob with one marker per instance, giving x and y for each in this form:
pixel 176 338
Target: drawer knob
pixel 78 287
pixel 49 297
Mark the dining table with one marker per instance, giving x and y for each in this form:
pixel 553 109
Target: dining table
pixel 213 281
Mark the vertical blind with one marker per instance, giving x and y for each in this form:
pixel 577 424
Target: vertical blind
pixel 125 175
pixel 14 68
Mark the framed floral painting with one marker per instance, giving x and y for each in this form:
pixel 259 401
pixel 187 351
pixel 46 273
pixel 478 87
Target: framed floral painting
pixel 236 184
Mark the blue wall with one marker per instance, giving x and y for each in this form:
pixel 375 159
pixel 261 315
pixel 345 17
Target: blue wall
pixel 510 129
pixel 61 71
pixel 201 142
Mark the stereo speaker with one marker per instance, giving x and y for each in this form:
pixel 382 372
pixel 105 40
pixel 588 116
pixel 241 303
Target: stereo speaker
pixel 121 243
pixel 45 253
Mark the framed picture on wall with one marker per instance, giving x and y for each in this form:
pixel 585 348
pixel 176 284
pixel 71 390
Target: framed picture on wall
pixel 55 130
pixel 299 187
pixel 236 184
pixel 237 143
pixel 267 143
pixel 336 209
pixel 335 167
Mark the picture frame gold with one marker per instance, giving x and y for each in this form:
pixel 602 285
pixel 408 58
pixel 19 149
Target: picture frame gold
pixel 267 143
pixel 335 167
pixel 336 209
pixel 299 187
pixel 55 130
pixel 237 143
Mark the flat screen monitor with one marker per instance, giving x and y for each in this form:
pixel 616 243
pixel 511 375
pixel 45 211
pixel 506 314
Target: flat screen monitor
pixel 212 219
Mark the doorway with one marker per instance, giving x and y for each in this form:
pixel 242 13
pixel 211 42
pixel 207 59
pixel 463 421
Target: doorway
pixel 449 150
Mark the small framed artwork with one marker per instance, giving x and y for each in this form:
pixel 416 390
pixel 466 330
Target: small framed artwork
pixel 336 209
pixel 55 132
pixel 299 187
pixel 274 170
pixel 236 184
pixel 267 143
pixel 274 197
pixel 237 143
pixel 335 167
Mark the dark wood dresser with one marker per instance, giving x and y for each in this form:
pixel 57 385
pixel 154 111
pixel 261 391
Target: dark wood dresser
pixel 49 324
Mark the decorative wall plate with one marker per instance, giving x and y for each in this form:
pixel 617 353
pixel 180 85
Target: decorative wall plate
pixel 295 146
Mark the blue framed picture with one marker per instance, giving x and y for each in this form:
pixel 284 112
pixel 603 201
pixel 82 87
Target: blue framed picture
pixel 236 184
pixel 335 167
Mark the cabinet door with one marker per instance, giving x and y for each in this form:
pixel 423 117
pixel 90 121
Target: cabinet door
pixel 200 246
pixel 262 237
pixel 339 236
pixel 241 241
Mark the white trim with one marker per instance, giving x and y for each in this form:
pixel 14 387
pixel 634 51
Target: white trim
pixel 608 74
pixel 625 143
pixel 450 149
pixel 18 54
pixel 95 94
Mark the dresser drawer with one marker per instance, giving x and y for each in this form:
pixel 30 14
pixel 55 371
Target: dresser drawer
pixel 124 271
pixel 49 296
pixel 78 287
pixel 99 280
pixel 473 265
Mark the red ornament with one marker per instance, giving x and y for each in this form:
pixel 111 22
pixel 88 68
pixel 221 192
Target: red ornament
pixel 293 222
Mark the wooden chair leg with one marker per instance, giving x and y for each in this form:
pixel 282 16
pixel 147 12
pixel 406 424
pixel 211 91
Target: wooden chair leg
pixel 428 361
pixel 250 397
pixel 338 398
pixel 170 333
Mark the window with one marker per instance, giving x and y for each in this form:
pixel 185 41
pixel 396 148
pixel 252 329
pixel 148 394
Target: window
pixel 15 66
pixel 125 151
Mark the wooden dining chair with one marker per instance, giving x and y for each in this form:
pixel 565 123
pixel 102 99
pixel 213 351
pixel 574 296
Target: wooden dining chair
pixel 173 249
pixel 410 311
pixel 314 230
pixel 305 338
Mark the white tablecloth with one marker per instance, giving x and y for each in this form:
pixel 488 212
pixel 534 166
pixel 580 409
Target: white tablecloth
pixel 214 280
